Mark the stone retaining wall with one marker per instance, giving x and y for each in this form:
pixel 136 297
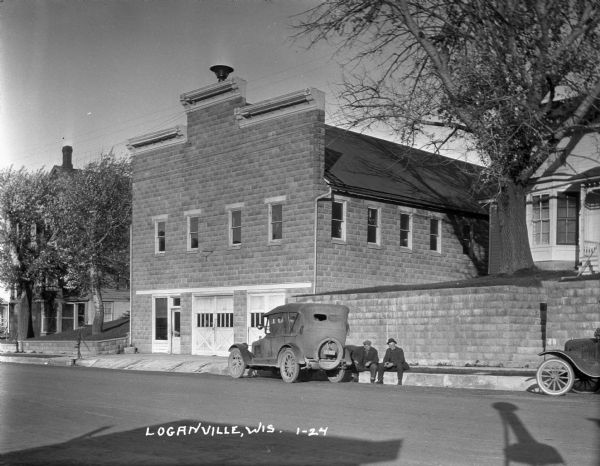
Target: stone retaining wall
pixel 488 326
pixel 88 348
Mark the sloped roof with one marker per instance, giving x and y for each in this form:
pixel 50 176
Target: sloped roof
pixel 374 168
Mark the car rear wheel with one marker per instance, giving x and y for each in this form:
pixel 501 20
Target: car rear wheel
pixel 288 366
pixel 586 384
pixel 329 353
pixel 338 375
pixel 236 363
pixel 555 377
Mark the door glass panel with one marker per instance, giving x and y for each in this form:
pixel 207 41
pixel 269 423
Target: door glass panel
pixel 161 319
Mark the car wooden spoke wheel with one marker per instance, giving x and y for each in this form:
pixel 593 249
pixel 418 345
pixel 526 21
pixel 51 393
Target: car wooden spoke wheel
pixel 236 363
pixel 289 367
pixel 586 384
pixel 555 377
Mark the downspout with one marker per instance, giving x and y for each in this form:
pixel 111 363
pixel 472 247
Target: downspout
pixel 317 199
pixel 130 283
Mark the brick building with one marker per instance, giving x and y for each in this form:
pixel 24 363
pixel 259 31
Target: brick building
pixel 249 204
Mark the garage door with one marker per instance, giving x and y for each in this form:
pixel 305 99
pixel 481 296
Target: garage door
pixel 212 325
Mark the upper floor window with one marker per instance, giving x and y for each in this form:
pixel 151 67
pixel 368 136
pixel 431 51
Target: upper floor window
pixel 275 222
pixel 435 235
pixel 338 220
pixel 160 236
pixel 373 226
pixel 193 238
pixel 235 227
pixel 566 219
pixel 541 219
pixel 406 230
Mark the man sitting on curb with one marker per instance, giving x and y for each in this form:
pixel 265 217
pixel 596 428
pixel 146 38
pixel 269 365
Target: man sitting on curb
pixel 365 358
pixel 392 361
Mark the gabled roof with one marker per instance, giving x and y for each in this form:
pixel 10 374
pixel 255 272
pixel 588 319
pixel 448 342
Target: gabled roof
pixel 369 167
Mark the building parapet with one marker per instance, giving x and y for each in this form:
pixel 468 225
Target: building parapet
pixel 158 139
pixel 213 93
pixel 299 101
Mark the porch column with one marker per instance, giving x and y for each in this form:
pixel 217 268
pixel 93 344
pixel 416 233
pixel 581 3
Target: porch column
pixel 582 220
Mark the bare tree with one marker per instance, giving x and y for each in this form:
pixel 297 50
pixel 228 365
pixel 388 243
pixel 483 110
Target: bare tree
pixel 511 77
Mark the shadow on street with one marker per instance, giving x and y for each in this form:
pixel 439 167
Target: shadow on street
pixel 193 442
pixel 525 449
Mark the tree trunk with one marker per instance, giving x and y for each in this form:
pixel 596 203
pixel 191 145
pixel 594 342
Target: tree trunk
pixel 97 300
pixel 511 246
pixel 24 313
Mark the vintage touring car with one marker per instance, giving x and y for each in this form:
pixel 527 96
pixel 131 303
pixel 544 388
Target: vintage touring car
pixel 299 338
pixel 576 368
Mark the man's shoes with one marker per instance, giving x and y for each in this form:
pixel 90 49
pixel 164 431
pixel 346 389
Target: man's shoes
pixel 372 380
pixel 379 382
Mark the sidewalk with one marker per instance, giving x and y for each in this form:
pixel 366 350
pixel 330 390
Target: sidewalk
pixel 442 376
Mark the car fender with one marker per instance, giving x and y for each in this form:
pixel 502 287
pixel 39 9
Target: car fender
pixel 247 356
pixel 297 352
pixel 578 364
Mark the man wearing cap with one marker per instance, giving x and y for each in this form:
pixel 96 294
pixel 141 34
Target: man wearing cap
pixel 392 361
pixel 365 359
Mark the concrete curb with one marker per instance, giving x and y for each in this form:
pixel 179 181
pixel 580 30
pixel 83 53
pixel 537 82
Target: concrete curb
pixel 443 377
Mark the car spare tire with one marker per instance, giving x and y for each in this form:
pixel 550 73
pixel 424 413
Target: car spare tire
pixel 330 352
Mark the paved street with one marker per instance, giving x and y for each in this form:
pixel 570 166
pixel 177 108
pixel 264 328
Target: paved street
pixel 76 415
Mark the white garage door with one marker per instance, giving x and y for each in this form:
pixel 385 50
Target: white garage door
pixel 212 325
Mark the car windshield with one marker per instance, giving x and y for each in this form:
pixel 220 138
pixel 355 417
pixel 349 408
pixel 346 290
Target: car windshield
pixel 275 324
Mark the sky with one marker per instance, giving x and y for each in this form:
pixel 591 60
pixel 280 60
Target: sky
pixel 93 74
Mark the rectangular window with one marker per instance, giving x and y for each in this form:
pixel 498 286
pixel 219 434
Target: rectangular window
pixel 541 219
pixel 160 237
pixel 338 220
pixel 373 226
pixel 566 219
pixel 81 314
pixel 161 319
pixel 434 235
pixel 235 227
pixel 193 234
pixel 66 322
pixel 466 239
pixel 225 319
pixel 109 310
pixel 205 319
pixel 275 222
pixel 49 317
pixel 256 318
pixel 405 231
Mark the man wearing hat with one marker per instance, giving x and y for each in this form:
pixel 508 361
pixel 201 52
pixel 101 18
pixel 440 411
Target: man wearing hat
pixel 392 361
pixel 365 358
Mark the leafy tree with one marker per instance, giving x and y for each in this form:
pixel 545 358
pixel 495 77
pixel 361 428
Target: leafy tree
pixel 27 260
pixel 513 77
pixel 91 218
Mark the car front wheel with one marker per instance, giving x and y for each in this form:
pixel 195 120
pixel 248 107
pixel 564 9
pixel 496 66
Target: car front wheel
pixel 236 363
pixel 555 377
pixel 288 366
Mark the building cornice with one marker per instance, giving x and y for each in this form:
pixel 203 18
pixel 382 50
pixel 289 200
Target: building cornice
pixel 294 102
pixel 212 94
pixel 158 139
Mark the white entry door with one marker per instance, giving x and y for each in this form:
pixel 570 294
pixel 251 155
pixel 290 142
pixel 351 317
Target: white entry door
pixel 212 325
pixel 258 304
pixel 176 330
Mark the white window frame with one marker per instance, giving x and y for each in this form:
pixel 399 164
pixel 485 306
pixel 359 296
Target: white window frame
pixel 409 231
pixel 271 222
pixel 190 215
pixel 231 208
pixel 343 220
pixel 111 305
pixel 541 197
pixel 438 235
pixel 377 226
pixel 157 220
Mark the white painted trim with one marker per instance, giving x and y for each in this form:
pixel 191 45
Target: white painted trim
pixel 192 213
pixel 226 289
pixel 275 199
pixel 237 205
pixel 158 218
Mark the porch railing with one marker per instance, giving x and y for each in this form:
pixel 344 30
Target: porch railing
pixel 590 256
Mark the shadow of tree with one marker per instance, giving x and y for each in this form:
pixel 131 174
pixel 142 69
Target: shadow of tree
pixel 193 442
pixel 526 450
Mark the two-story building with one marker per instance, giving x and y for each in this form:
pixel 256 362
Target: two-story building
pixel 249 204
pixel 563 205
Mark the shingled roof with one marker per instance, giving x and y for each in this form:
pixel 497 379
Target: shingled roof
pixel 369 167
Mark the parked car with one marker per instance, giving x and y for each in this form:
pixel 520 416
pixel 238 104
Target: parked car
pixel 576 368
pixel 298 337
